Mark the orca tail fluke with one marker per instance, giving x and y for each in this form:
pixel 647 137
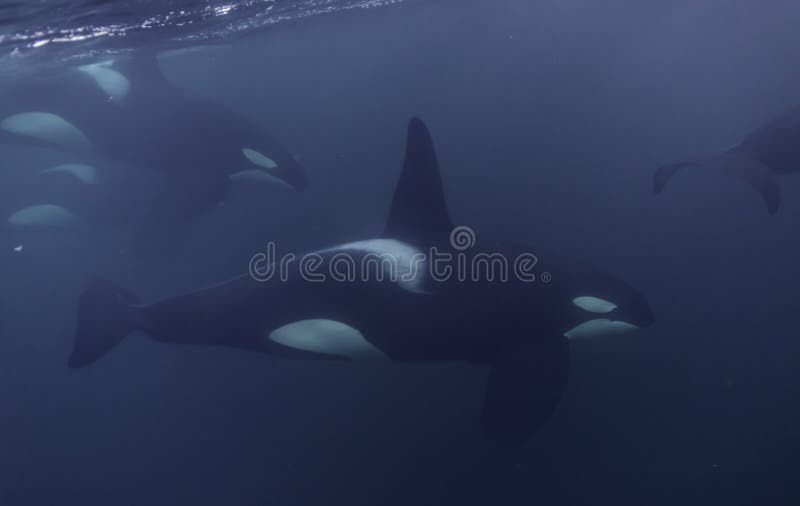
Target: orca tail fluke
pixel 758 176
pixel 106 314
pixel 732 163
pixel 666 172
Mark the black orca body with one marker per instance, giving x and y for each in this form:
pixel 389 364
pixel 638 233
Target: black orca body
pixel 769 151
pixel 398 305
pixel 121 116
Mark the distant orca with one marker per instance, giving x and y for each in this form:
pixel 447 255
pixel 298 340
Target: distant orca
pixel 78 193
pixel 518 326
pixel 771 150
pixel 123 111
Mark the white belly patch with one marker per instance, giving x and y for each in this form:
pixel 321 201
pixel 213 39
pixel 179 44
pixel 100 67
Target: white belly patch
pixel 112 82
pixel 45 215
pixel 326 336
pixel 47 127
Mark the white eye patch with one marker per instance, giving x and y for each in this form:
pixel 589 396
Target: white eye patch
pixel 259 159
pixel 594 304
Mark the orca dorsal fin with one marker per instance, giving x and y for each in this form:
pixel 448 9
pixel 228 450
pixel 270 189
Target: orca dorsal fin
pixel 419 212
pixel 142 68
pixel 145 63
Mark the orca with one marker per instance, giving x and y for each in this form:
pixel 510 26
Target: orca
pixel 769 151
pixel 399 309
pixel 108 197
pixel 123 113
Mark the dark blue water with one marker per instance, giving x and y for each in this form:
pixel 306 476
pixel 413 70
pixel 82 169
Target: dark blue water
pixel 550 117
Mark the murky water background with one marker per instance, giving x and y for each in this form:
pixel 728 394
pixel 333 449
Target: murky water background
pixel 550 117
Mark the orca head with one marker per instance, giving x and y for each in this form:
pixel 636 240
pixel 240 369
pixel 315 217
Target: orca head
pixel 259 159
pixel 599 305
pixel 265 166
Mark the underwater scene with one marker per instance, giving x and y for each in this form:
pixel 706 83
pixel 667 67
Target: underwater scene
pixel 399 252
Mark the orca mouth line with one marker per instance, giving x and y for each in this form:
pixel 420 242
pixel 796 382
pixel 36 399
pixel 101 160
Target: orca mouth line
pixel 600 327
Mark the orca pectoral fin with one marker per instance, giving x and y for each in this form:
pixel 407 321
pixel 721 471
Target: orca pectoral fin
pixel 525 384
pixel 758 176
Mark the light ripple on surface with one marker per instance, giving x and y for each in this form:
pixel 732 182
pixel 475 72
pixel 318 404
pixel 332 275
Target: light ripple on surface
pixel 61 30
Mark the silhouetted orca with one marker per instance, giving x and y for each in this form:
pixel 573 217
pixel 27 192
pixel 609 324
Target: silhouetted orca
pixel 771 150
pixel 123 113
pixel 404 304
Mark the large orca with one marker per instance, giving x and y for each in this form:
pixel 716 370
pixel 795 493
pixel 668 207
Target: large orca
pixel 771 150
pixel 403 304
pixel 122 114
